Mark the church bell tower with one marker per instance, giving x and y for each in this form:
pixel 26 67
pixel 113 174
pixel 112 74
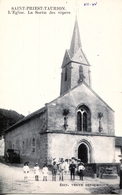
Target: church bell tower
pixel 75 66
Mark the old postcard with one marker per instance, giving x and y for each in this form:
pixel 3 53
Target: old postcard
pixel 61 96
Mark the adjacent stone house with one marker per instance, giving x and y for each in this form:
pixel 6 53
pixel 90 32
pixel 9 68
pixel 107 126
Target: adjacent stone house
pixel 118 148
pixel 76 124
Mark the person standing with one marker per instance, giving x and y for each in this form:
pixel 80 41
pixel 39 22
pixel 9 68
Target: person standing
pixel 81 169
pixel 66 167
pixel 61 171
pixel 54 171
pixel 72 168
pixel 45 172
pixel 26 171
pixel 36 172
pixel 120 174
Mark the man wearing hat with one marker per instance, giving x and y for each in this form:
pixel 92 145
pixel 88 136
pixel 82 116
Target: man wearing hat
pixel 54 171
pixel 72 168
pixel 36 172
pixel 61 170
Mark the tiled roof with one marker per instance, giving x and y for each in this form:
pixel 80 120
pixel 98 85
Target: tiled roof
pixel 26 118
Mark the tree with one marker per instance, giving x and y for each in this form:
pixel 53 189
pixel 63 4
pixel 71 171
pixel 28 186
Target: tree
pixel 8 118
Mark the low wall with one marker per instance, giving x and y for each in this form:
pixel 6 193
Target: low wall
pixel 100 168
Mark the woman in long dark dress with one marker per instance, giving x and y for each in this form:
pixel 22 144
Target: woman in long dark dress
pixel 121 174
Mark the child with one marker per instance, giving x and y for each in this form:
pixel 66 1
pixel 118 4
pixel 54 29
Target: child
pixel 36 172
pixel 26 171
pixel 66 167
pixel 45 172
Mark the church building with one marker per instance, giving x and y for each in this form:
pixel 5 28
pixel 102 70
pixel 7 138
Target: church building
pixel 77 124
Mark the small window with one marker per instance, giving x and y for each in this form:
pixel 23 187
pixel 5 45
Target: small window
pixel 66 74
pixel 23 147
pixel 33 149
pixel 33 142
pixel 33 145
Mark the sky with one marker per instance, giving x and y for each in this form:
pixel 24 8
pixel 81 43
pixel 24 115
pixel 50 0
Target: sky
pixel 33 46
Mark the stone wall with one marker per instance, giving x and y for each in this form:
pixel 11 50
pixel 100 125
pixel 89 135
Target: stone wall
pixel 27 138
pixel 75 74
pixel 72 100
pixel 100 168
pixel 66 84
pixel 65 145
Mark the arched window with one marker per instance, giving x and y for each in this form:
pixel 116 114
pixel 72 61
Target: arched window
pixel 83 119
pixel 79 121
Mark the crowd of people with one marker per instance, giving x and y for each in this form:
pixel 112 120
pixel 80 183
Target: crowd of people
pixel 59 169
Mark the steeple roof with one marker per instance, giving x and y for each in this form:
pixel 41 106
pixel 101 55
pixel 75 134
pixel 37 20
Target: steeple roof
pixel 75 53
pixel 75 42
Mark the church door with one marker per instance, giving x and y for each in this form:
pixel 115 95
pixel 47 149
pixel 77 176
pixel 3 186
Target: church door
pixel 83 153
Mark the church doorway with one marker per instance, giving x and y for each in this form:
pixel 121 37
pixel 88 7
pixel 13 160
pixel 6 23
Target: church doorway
pixel 83 153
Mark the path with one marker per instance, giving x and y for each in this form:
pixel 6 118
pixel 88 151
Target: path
pixel 11 181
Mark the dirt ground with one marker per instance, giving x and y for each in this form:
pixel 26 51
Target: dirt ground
pixel 12 181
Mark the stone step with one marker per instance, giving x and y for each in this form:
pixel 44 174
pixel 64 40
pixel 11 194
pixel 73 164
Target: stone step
pixel 109 176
